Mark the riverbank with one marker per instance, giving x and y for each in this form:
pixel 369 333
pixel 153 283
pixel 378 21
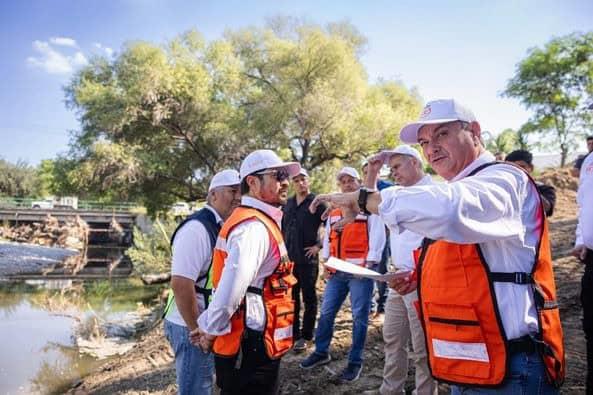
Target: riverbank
pixel 148 367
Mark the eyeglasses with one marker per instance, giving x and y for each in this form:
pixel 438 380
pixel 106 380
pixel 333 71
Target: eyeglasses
pixel 280 174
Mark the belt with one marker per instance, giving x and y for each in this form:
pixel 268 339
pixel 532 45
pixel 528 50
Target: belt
pixel 522 344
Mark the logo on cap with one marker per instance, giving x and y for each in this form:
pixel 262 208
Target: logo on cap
pixel 425 112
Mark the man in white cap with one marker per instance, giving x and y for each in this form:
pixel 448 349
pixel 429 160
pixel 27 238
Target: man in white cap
pixel 360 243
pixel 300 228
pixel 484 277
pixel 192 243
pixel 401 318
pixel 248 324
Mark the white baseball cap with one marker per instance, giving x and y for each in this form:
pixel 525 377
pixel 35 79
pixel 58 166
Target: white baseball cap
pixel 302 172
pixel 403 149
pixel 266 159
pixel 436 111
pixel 225 178
pixel 351 171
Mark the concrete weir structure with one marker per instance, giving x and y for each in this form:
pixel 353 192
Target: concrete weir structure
pixel 109 235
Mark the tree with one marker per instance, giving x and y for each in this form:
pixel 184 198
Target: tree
pixel 18 180
pixel 311 95
pixel 556 82
pixel 506 141
pixel 158 122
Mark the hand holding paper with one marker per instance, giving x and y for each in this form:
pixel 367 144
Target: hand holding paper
pixel 359 271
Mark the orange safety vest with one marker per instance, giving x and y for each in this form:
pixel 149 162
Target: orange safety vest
pixel 352 242
pixel 465 339
pixel 276 292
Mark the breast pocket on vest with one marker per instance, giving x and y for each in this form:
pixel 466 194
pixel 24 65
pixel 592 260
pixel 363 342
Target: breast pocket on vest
pixel 448 267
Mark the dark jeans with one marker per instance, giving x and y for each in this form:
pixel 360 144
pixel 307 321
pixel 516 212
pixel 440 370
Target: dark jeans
pixel 306 274
pixel 587 302
pixel 257 374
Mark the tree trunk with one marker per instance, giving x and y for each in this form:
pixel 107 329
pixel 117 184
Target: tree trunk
pixel 563 154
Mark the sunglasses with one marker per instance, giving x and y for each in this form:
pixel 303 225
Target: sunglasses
pixel 280 174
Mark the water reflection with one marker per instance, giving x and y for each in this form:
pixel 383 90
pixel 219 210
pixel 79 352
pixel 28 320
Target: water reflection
pixel 40 321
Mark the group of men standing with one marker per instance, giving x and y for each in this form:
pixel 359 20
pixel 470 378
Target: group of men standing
pixel 475 293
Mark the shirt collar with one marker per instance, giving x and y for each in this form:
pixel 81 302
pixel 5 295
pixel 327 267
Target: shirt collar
pixel 424 180
pixel 216 215
pixel 485 157
pixel 272 211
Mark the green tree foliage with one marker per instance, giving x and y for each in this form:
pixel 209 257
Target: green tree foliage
pixel 158 122
pixel 151 252
pixel 506 141
pixel 311 93
pixel 555 82
pixel 18 180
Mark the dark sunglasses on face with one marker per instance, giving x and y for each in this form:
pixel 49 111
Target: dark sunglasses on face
pixel 279 174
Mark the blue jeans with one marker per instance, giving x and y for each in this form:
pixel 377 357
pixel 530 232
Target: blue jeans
pixel 194 368
pixel 526 376
pixel 336 290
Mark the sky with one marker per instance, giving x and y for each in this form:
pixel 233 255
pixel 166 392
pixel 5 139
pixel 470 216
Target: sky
pixel 462 49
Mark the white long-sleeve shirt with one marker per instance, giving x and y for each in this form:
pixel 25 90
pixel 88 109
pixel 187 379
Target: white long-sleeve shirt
pixel 584 234
pixel 376 239
pixel 192 253
pixel 403 244
pixel 252 256
pixel 496 208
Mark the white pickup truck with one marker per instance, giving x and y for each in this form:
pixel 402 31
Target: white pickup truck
pixel 65 202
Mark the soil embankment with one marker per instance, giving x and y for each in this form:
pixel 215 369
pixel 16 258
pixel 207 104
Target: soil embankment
pixel 148 367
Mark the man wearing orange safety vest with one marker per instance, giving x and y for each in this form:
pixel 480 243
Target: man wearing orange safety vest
pixel 361 243
pixel 248 324
pixel 487 297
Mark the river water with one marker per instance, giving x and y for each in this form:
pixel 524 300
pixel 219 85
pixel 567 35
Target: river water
pixel 42 322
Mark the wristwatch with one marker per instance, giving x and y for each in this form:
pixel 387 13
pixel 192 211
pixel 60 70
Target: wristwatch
pixel 363 195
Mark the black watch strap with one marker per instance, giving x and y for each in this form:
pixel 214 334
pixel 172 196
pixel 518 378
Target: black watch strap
pixel 363 195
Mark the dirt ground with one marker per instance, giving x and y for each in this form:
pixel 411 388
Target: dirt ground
pixel 148 368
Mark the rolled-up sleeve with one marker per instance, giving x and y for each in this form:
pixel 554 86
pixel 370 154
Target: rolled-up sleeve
pixel 476 209
pixel 247 247
pixel 376 238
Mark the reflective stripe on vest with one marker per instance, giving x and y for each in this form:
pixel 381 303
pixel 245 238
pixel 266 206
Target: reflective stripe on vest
pixel 276 292
pixel 465 338
pixel 352 242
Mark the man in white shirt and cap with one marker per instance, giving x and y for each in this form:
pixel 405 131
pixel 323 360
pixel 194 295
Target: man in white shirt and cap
pixel 248 324
pixel 360 243
pixel 484 278
pixel 192 243
pixel 401 317
pixel 584 252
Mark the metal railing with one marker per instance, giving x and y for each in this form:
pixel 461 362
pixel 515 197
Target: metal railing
pixel 10 202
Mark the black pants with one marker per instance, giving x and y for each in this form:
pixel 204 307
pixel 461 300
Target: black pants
pixel 257 374
pixel 587 302
pixel 306 274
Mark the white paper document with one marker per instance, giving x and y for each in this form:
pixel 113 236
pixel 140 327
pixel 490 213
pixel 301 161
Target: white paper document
pixel 359 271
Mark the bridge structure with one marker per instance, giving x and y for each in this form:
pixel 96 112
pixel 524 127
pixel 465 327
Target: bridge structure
pixel 19 215
pixel 104 255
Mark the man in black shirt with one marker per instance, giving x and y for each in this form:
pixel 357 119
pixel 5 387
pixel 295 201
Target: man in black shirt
pixel 300 229
pixel 524 159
